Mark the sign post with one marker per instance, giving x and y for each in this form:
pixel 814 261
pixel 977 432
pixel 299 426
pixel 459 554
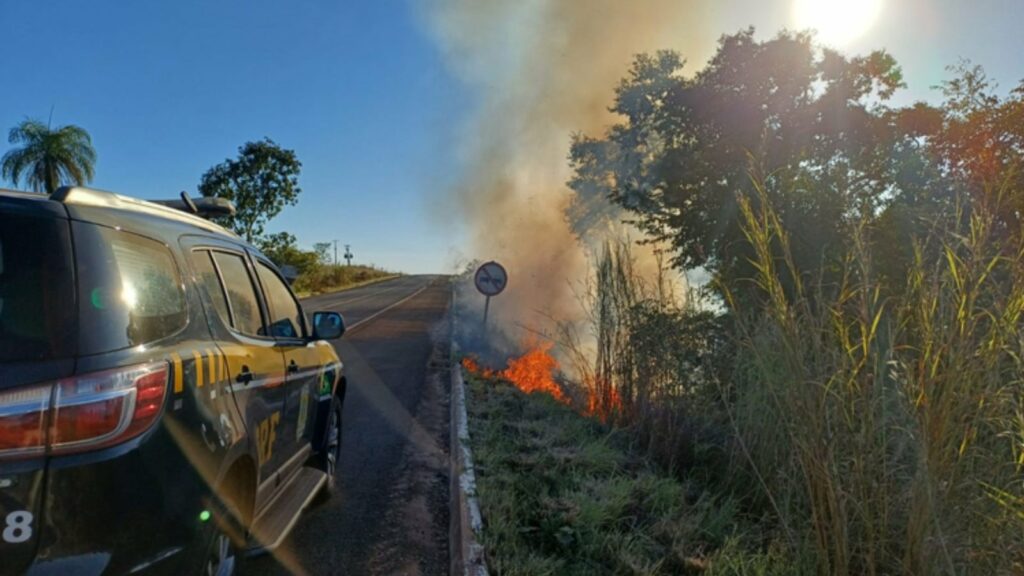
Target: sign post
pixel 490 279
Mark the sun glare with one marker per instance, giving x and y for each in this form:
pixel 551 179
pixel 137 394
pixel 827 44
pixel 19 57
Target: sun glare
pixel 838 22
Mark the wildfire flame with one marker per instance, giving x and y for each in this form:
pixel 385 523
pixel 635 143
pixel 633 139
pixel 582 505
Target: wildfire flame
pixel 603 401
pixel 532 372
pixel 470 364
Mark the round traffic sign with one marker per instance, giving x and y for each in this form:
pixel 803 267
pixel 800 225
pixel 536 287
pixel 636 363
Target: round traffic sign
pixel 490 278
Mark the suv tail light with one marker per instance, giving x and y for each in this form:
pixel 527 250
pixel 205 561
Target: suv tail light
pixel 23 420
pixel 82 413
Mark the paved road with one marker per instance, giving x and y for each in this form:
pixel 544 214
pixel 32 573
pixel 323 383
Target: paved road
pixel 391 513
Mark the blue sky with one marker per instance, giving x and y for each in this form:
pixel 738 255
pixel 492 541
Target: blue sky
pixel 168 89
pixel 358 89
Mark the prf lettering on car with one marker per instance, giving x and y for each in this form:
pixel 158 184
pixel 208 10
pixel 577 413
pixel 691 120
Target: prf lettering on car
pixel 266 433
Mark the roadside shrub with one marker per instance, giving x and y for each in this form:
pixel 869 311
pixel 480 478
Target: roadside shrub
pixel 651 361
pixel 884 433
pixel 314 274
pixel 324 277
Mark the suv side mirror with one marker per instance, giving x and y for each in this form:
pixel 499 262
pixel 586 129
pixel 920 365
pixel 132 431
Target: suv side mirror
pixel 328 325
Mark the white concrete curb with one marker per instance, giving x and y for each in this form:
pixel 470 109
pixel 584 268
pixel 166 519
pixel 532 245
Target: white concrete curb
pixel 467 554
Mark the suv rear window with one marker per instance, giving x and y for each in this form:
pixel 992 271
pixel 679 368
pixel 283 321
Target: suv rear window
pixel 130 289
pixel 37 305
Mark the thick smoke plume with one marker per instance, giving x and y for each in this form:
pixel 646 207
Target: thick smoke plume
pixel 542 70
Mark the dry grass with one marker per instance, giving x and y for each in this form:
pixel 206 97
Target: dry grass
pixel 882 428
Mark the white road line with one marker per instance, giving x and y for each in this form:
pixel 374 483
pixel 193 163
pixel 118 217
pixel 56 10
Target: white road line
pixel 379 312
pixel 360 298
pixel 342 298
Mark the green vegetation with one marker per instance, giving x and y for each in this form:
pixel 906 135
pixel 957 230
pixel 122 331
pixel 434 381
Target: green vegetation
pixel 886 430
pixel 331 278
pixel 866 433
pixel 316 275
pixel 261 182
pixel 562 495
pixel 48 158
pixel 847 391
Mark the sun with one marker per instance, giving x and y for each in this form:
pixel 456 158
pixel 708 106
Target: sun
pixel 838 22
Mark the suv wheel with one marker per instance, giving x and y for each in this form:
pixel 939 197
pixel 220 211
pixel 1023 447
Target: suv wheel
pixel 226 532
pixel 222 556
pixel 327 460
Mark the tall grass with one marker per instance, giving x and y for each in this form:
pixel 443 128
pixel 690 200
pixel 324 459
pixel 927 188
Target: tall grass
pixel 652 358
pixel 878 429
pixel 884 427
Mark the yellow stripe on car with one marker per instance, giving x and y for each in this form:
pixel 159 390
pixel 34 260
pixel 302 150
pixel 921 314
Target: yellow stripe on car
pixel 199 368
pixel 179 385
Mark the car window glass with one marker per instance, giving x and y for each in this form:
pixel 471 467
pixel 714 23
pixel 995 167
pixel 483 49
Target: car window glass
pixel 245 307
pixel 37 309
pixel 285 313
pixel 130 289
pixel 206 274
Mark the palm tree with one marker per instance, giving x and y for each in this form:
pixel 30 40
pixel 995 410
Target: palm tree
pixel 48 158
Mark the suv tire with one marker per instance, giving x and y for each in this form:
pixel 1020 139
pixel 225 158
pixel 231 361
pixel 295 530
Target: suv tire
pixel 328 458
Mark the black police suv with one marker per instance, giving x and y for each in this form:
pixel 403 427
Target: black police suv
pixel 165 406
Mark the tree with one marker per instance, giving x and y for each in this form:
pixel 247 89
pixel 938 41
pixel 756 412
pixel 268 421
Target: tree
pixel 48 158
pixel 260 182
pixel 980 145
pixel 282 250
pixel 323 251
pixel 807 124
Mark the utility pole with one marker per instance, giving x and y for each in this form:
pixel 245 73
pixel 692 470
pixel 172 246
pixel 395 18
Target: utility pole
pixel 335 252
pixel 348 254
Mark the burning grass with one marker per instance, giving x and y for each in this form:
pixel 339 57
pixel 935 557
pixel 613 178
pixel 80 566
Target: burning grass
pixel 532 372
pixel 603 401
pixel 474 367
pixel 537 370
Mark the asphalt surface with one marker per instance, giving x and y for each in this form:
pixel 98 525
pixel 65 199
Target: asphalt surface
pixel 390 515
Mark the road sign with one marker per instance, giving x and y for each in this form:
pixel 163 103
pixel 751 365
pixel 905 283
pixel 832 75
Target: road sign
pixel 490 279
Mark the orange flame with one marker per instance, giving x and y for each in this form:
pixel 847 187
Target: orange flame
pixel 474 367
pixel 534 372
pixel 603 401
pixel 531 372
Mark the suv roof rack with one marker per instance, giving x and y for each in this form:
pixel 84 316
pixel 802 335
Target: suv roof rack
pixel 193 212
pixel 23 194
pixel 207 207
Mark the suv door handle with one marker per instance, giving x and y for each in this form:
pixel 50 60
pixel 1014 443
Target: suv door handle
pixel 293 367
pixel 244 376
